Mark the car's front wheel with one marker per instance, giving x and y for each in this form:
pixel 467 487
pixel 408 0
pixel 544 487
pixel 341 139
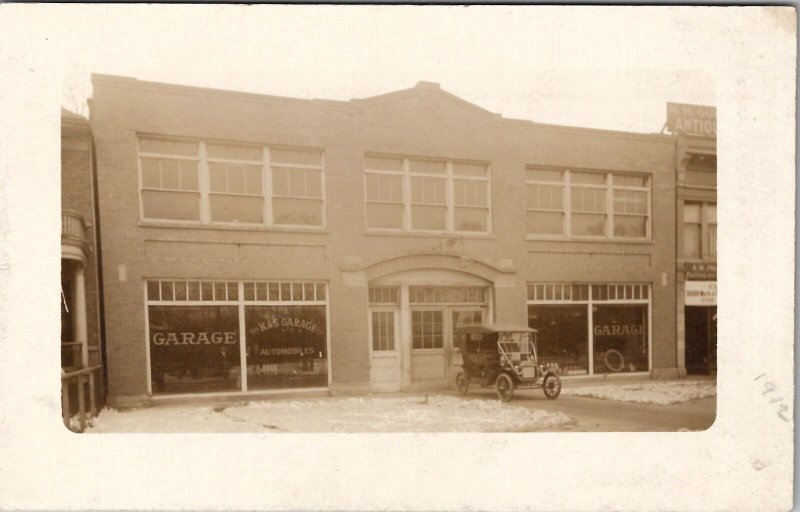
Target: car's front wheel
pixel 505 387
pixel 551 386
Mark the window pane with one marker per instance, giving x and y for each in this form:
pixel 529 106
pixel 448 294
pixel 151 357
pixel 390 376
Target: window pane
pixel 219 291
pixel 235 152
pixel 249 291
pixel 545 223
pixel 297 183
pixel 280 181
pixel 691 240
pixel 470 219
pixel 313 183
pixel 588 200
pixel 563 336
pixel 379 163
pixel 691 213
pixel 236 179
pixel 630 201
pixel 385 215
pixel 194 290
pixel 286 292
pixel 465 169
pixel 218 177
pixel 151 173
pixel 387 187
pixel 170 174
pixel 152 290
pixel 168 147
pixel 320 291
pixel 428 217
pixel 171 205
pixel 236 208
pixel 630 181
pixel 308 291
pixel 620 338
pixel 206 290
pixel 427 190
pixel 188 170
pixel 630 226
pixel 588 177
pixel 194 349
pixel 544 175
pixel 233 290
pixel 428 166
pixel 588 224
pixel 274 292
pixel 470 192
pixel 545 197
pixel 253 179
pixel 306 212
pixel 712 241
pixel 295 156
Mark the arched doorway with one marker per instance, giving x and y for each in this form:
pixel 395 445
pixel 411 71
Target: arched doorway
pixel 412 316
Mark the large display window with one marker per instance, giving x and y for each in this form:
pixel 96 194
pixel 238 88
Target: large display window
pixel 194 348
pixel 222 336
pixel 286 347
pixel 591 329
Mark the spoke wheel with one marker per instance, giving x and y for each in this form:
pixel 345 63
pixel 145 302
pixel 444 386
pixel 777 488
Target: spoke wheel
pixel 462 384
pixel 552 386
pixel 505 387
pixel 614 360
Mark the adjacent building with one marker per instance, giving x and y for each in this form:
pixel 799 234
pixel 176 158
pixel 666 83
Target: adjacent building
pixel 256 244
pixel 81 354
pixel 696 156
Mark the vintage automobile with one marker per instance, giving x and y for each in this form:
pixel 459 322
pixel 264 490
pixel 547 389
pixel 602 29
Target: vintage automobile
pixel 504 356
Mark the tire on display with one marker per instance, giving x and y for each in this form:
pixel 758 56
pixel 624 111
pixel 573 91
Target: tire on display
pixel 505 387
pixel 614 356
pixel 462 384
pixel 551 386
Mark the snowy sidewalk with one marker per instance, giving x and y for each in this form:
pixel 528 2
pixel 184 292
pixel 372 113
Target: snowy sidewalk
pixel 647 391
pixel 434 413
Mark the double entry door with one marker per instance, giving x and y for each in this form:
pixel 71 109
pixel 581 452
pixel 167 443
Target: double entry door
pixel 416 349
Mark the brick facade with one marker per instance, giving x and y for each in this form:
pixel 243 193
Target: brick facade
pixel 423 121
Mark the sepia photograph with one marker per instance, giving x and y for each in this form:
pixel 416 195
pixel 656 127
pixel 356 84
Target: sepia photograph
pixel 417 246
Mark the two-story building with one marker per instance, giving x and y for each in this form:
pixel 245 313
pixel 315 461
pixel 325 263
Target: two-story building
pixel 254 244
pixel 696 157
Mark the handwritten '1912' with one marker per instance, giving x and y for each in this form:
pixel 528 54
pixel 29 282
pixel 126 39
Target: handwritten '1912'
pixel 769 387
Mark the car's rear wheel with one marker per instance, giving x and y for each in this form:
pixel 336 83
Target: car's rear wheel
pixel 551 386
pixel 462 384
pixel 505 387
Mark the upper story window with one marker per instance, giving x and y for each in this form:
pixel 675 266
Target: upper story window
pixel 427 195
pixel 700 230
pixel 582 204
pixel 209 182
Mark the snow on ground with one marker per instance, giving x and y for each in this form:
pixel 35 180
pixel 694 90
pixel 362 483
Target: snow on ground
pixel 357 414
pixel 653 392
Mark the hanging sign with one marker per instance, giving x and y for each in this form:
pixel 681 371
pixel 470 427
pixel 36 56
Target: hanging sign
pixel 701 271
pixel 683 119
pixel 701 293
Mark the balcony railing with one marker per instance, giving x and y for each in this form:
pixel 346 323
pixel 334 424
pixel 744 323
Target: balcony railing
pixel 73 227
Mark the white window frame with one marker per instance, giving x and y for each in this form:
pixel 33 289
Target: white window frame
pixel 449 205
pixel 609 187
pixel 625 288
pixel 204 183
pixel 705 242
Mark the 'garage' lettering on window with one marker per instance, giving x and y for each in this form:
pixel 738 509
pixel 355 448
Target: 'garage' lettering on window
pixel 619 330
pixel 194 338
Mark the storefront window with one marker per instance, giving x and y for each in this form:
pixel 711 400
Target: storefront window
pixel 194 349
pixel 620 338
pixel 562 336
pixel 608 321
pixel 286 347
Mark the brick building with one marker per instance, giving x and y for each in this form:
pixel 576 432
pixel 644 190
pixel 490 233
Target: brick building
pixel 81 354
pixel 254 243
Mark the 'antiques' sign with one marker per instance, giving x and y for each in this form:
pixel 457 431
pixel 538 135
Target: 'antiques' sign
pixel 683 119
pixel 701 293
pixel 701 271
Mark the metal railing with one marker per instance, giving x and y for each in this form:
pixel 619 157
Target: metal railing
pixel 83 377
pixel 72 225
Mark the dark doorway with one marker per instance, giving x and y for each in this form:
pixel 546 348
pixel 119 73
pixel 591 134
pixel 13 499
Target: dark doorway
pixel 701 339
